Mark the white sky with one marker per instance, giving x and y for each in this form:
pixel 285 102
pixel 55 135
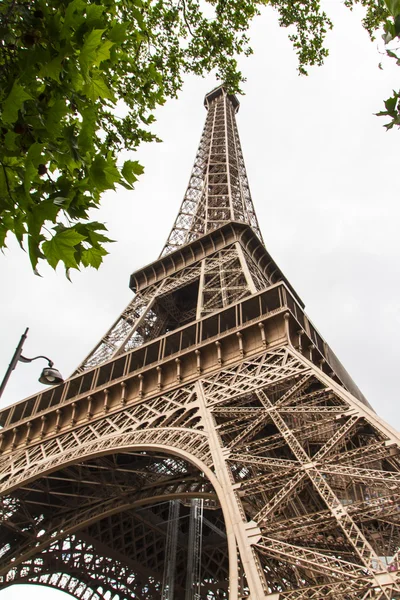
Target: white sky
pixel 324 179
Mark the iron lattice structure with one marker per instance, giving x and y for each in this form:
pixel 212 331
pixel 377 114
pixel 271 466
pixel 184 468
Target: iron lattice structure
pixel 211 446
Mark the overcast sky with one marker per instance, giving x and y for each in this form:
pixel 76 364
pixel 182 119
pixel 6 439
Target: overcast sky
pixel 324 179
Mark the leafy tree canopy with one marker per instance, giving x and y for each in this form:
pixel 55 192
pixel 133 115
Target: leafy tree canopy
pixel 70 68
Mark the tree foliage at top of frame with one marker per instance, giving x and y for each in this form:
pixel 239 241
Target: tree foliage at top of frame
pixel 79 82
pixel 70 68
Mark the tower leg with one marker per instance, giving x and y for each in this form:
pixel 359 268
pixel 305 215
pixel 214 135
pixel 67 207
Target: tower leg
pixel 240 534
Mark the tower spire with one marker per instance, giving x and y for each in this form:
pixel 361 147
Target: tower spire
pixel 218 191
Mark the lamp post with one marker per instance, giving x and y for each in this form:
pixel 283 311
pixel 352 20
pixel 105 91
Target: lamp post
pixel 49 375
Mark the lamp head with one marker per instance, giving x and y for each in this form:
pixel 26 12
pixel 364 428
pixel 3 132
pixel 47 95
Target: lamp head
pixel 50 376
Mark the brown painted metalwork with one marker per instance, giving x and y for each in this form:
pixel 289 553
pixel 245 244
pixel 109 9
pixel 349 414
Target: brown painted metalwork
pixel 212 445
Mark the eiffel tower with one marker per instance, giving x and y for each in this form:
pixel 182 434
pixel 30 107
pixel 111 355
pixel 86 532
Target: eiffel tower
pixel 211 446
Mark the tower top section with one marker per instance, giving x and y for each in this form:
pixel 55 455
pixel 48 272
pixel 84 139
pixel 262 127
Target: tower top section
pixel 218 190
pixel 221 91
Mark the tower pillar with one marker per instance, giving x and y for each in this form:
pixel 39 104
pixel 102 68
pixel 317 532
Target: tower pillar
pixel 241 534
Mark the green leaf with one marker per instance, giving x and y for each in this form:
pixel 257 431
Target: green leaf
pixel 35 154
pixel 73 14
pixel 93 257
pixel 36 217
pixel 104 173
pixel 39 213
pixel 94 12
pixel 111 171
pixel 77 81
pixel 3 185
pixel 14 102
pixel 88 53
pixel 138 16
pixel 130 170
pixel 118 33
pixel 397 25
pixel 34 251
pixel 19 227
pixel 6 224
pixel 30 173
pixel 52 69
pixel 88 129
pixel 62 247
pixel 55 116
pixel 9 140
pixel 95 238
pixel 390 105
pixel 393 7
pixel 97 174
pixel 103 53
pixel 96 88
pixel 91 232
pixel 3 235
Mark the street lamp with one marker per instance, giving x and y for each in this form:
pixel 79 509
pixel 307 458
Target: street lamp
pixel 49 375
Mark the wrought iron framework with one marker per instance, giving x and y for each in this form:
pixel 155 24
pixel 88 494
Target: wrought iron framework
pixel 211 446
